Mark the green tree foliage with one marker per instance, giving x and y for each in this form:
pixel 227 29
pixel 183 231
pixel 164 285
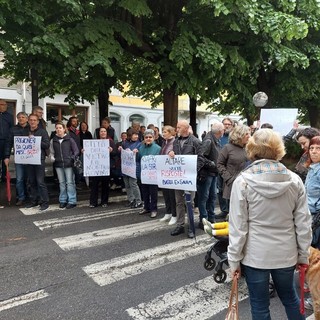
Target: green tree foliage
pixel 206 48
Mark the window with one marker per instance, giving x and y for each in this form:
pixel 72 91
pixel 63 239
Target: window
pixel 63 113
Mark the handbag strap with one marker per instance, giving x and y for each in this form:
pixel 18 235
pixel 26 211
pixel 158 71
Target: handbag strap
pixel 233 301
pixel 302 272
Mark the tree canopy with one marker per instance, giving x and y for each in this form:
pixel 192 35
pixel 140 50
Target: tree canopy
pixel 207 49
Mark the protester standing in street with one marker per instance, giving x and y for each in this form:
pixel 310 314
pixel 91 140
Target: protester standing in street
pixel 185 144
pixel 6 123
pixel 149 191
pixel 313 187
pixel 103 180
pixel 36 173
pixel 207 175
pixel 269 226
pixel 21 129
pixel 133 191
pixel 63 151
pixel 169 135
pixel 231 161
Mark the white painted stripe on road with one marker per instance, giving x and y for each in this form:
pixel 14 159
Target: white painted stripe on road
pixel 26 298
pixel 110 271
pixel 100 237
pixel 197 301
pixel 52 207
pixel 82 203
pixel 83 217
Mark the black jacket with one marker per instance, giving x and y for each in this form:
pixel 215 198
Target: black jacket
pixel 15 131
pixel 6 123
pixel 45 142
pixel 64 152
pixel 210 150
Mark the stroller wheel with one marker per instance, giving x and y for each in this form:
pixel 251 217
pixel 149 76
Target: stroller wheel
pixel 220 276
pixel 209 264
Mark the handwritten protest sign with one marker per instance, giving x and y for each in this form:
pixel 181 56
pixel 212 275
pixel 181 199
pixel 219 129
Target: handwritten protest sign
pixel 149 170
pixel 178 173
pixel 128 163
pixel 96 158
pixel 27 150
pixel 281 119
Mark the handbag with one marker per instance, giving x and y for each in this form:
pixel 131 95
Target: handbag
pixel 233 309
pixel 78 165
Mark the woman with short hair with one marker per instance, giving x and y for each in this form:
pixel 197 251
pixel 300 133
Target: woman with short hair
pixel 232 160
pixel 269 226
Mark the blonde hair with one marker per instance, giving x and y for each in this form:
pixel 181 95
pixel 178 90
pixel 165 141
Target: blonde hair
pixel 265 144
pixel 237 134
pixel 170 129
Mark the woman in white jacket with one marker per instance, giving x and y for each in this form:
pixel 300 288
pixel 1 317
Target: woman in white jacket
pixel 269 226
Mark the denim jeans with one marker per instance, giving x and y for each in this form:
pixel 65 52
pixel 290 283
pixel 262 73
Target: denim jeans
pixel 68 193
pixel 222 201
pixel 38 187
pixel 21 175
pixel 258 285
pixel 206 191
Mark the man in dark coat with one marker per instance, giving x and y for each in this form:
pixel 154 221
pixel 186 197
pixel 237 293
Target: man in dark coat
pixel 6 123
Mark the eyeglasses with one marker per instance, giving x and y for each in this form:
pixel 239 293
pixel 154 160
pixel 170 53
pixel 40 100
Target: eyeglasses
pixel 148 137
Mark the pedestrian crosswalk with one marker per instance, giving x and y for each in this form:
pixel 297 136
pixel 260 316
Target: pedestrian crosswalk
pixel 197 299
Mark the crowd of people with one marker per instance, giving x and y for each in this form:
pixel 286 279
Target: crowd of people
pixel 268 206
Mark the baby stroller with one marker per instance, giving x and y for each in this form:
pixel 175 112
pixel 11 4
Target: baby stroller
pixel 220 232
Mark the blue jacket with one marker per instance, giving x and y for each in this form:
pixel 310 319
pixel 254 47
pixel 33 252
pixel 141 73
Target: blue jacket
pixel 312 185
pixel 6 123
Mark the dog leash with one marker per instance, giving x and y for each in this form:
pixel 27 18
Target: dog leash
pixel 302 272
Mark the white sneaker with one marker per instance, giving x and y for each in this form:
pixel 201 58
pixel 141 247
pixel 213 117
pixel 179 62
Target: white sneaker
pixel 153 214
pixel 172 221
pixel 166 217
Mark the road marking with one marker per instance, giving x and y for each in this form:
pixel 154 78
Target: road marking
pixel 197 301
pixel 100 237
pixel 23 299
pixel 82 203
pixel 85 217
pixel 110 271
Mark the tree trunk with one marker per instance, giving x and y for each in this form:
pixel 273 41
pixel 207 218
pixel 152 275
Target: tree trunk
pixel 314 116
pixel 170 107
pixel 103 100
pixel 193 114
pixel 34 87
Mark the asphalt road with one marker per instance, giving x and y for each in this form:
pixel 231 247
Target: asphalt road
pixel 94 264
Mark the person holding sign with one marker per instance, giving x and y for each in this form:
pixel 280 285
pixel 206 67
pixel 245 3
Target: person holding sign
pixel 36 172
pixel 21 129
pixel 185 144
pixel 169 134
pixel 149 191
pixel 103 179
pixel 133 192
pixel 63 150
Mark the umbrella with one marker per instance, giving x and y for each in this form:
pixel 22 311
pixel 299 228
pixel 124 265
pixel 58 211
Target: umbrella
pixel 8 178
pixel 187 195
